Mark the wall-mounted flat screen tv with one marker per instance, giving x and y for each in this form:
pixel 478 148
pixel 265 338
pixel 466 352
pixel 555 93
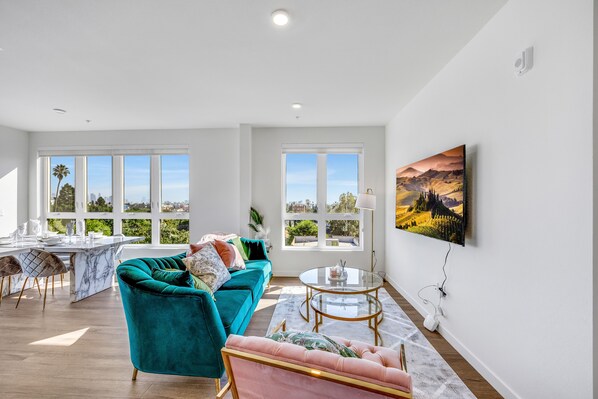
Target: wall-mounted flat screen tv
pixel 431 196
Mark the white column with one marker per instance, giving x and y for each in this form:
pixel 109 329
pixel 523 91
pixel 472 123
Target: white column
pixel 245 173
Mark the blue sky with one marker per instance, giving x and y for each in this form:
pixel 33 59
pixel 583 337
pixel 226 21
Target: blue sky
pixel 99 176
pixel 301 175
pixel 175 176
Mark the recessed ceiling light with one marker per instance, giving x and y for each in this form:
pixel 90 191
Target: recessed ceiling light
pixel 296 106
pixel 280 17
pixel 59 111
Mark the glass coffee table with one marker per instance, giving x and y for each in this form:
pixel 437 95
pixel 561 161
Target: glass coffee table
pixel 318 279
pixel 356 307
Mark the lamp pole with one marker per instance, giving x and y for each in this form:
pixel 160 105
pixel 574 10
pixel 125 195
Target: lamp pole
pixel 373 251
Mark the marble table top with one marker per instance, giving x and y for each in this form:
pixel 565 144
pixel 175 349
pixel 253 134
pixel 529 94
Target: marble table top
pixel 77 245
pixel 6 251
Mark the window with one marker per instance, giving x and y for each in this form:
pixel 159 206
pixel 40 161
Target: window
pixel 99 184
pixel 320 188
pixel 142 195
pixel 62 184
pixel 137 183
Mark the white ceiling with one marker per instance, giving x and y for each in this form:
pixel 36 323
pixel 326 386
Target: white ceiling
pixel 150 64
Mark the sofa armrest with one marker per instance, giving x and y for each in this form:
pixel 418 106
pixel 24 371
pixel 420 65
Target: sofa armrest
pixel 166 321
pixel 256 249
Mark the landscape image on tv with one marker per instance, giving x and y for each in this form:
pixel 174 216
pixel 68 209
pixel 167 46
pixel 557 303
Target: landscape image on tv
pixel 430 196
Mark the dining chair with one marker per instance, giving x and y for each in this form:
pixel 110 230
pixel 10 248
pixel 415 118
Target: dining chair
pixel 39 264
pixel 9 266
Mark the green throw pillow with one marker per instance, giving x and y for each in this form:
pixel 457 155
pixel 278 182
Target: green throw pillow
pixel 311 341
pixel 195 282
pixel 179 278
pixel 241 247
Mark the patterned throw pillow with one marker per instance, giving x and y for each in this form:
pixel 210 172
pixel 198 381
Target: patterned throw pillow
pixel 311 341
pixel 224 249
pixel 208 266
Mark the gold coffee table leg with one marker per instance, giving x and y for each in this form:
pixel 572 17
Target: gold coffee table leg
pixel 376 331
pixel 306 303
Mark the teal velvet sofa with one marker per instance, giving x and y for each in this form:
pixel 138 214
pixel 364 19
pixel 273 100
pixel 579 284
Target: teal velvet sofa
pixel 179 330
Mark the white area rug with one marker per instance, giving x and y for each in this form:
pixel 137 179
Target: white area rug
pixel 432 376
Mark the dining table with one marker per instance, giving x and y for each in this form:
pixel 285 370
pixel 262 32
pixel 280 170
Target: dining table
pixel 92 260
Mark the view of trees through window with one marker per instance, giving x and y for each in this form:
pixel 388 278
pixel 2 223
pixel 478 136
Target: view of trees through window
pixel 340 219
pixel 169 222
pixel 62 184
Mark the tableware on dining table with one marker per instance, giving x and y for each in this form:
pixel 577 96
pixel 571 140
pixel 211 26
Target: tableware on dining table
pixel 70 230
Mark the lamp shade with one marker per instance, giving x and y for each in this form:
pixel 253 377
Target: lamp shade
pixel 366 200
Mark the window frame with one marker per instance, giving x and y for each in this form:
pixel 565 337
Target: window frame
pixel 118 214
pixel 322 215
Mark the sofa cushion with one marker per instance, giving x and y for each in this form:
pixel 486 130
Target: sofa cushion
pixel 264 265
pixel 233 306
pixel 173 277
pixel 249 280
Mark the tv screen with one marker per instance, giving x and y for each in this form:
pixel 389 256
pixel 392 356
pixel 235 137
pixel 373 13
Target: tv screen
pixel 431 196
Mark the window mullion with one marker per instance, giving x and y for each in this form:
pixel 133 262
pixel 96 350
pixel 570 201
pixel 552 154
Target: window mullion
pixel 80 187
pixel 155 200
pixel 321 194
pixel 117 192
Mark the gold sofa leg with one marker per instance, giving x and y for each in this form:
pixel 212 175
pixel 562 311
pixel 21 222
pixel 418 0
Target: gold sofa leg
pixel 217 382
pixel 134 378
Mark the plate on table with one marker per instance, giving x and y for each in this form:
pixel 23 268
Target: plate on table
pixel 52 240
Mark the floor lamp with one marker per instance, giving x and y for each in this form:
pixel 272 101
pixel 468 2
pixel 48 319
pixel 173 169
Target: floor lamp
pixel 367 201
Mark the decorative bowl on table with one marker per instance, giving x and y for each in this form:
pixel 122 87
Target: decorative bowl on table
pixel 337 273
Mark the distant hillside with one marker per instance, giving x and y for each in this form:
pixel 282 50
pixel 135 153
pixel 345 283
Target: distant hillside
pixel 409 172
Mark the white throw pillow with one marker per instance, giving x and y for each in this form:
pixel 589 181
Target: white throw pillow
pixel 207 265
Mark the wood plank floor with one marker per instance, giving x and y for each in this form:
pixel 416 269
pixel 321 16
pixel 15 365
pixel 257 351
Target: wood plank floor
pixel 92 361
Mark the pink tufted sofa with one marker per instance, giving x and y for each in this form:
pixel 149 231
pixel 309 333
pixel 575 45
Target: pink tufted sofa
pixel 262 368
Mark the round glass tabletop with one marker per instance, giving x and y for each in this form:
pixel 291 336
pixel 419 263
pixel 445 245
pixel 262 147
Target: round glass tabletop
pixel 358 281
pixel 346 307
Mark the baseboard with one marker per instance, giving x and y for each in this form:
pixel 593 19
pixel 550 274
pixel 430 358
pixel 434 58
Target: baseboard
pixel 287 273
pixel 475 362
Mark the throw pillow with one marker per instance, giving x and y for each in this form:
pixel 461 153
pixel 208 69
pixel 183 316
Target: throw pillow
pixel 217 236
pixel 180 278
pixel 239 263
pixel 313 341
pixel 208 266
pixel 242 249
pixel 226 252
pixel 224 249
pixel 193 248
pixel 196 282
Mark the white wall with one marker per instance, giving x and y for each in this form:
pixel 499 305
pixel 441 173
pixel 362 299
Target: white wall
pixel 519 304
pixel 14 176
pixel 266 191
pixel 213 174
